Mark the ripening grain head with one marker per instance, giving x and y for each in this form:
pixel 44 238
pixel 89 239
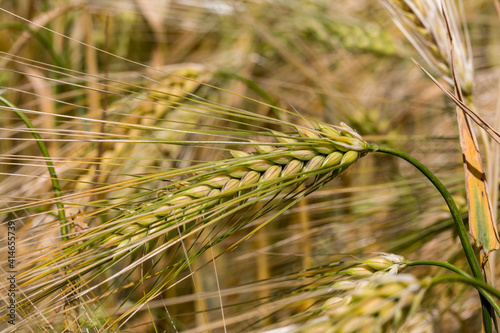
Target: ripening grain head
pixel 424 24
pixel 210 198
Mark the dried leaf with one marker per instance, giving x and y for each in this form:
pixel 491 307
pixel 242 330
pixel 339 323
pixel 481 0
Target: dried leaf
pixel 481 224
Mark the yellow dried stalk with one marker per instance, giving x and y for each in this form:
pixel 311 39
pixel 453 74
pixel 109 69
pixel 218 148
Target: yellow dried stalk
pixel 428 24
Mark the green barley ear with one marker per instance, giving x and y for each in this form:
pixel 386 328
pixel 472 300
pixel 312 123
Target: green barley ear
pixel 205 199
pixel 308 153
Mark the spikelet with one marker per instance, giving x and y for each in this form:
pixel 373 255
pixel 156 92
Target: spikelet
pixel 385 263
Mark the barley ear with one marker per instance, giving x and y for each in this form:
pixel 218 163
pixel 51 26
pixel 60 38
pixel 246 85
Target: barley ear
pixel 307 153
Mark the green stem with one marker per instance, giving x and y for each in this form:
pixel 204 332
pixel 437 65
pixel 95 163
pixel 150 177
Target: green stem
pixel 457 270
pixel 467 280
pixel 50 166
pixel 443 264
pixel 459 224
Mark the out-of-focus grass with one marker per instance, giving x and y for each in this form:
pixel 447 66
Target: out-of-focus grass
pixel 111 118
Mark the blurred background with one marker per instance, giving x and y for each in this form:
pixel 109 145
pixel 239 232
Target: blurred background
pixel 139 66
